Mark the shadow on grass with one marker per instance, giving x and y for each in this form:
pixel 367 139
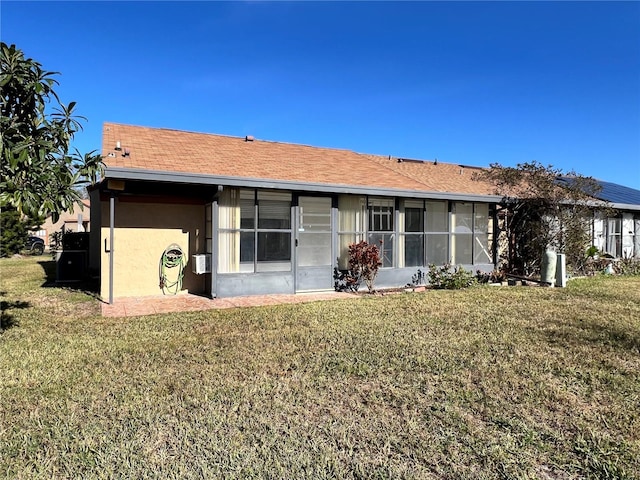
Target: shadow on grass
pixel 594 333
pixel 87 285
pixel 6 318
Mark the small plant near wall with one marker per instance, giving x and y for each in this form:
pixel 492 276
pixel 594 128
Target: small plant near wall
pixel 497 276
pixel 449 278
pixel 364 262
pixel 418 278
pixel 628 266
pixel 343 281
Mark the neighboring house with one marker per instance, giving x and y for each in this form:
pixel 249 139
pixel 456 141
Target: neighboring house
pixel 77 220
pixel 619 234
pixel 276 217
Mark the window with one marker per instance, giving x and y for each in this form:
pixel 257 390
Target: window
pixel 255 231
pixel 381 233
pixel 470 233
pixel 613 244
pixel 437 233
pixel 462 233
pixel 636 236
pixel 351 225
pixel 481 246
pixel 411 244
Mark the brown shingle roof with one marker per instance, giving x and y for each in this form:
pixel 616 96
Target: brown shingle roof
pixel 159 149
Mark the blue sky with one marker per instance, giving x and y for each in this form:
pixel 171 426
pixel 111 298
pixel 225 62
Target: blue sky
pixel 469 83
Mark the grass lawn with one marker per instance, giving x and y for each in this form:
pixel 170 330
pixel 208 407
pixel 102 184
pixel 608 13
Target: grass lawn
pixel 483 383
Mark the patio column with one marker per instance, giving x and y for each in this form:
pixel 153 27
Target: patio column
pixel 112 208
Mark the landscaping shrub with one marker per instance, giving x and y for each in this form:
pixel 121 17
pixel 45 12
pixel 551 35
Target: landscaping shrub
pixel 497 276
pixel 364 262
pixel 628 266
pixel 448 278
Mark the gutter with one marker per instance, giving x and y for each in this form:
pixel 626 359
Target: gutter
pixel 122 173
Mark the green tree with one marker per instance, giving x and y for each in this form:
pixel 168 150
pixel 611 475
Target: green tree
pixel 40 173
pixel 544 208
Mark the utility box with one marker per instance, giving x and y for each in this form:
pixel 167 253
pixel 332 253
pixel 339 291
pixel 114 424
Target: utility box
pixel 71 265
pixel 201 263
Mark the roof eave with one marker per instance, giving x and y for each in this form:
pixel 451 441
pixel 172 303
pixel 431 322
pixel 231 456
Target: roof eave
pixel 625 206
pixel 123 173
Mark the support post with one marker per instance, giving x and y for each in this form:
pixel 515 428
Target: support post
pixel 112 208
pixel 561 270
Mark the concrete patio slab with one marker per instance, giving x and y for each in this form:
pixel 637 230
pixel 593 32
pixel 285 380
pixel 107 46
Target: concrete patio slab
pixel 139 306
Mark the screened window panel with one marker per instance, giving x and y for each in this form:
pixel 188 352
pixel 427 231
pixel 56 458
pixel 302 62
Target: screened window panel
pixel 413 219
pixel 314 249
pixel 351 213
pixel 462 217
pixel 481 218
pixel 437 249
pixel 274 246
pixel 481 251
pixel 384 242
pixel 461 248
pixel 228 251
pixel 247 247
pixel 274 214
pixel 413 250
pixel 381 213
pixel 228 241
pixel 315 215
pixel 344 240
pixel 437 217
pixel 247 213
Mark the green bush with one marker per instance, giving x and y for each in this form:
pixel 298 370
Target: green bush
pixel 451 279
pixel 13 233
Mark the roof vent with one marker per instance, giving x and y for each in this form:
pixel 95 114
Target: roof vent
pixel 249 138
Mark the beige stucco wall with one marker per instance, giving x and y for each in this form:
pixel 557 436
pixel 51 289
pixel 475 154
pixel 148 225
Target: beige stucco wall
pixel 142 232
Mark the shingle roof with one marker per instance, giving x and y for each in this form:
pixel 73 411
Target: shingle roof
pixel 164 150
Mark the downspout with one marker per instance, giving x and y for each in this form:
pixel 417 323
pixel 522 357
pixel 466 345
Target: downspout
pixel 112 208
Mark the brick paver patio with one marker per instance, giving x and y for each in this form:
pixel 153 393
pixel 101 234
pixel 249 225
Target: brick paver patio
pixel 136 306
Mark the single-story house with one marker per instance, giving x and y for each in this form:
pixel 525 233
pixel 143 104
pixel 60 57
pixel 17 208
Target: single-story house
pixel 74 220
pixel 269 217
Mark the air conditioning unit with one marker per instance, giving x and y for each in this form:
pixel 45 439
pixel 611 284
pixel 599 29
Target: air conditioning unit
pixel 201 263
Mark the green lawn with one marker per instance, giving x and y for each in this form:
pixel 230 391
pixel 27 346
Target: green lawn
pixel 483 383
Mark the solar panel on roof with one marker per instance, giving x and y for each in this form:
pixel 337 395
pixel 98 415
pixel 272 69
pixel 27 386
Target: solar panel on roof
pixel 613 192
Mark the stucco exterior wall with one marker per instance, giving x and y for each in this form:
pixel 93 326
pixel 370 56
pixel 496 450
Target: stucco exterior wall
pixel 142 232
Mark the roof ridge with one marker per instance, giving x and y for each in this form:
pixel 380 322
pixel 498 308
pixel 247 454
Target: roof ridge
pixel 278 142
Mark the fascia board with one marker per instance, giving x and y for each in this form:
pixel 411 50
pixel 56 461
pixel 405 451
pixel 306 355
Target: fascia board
pixel 625 206
pixel 122 173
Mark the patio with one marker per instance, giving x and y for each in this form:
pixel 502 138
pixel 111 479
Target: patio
pixel 137 306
